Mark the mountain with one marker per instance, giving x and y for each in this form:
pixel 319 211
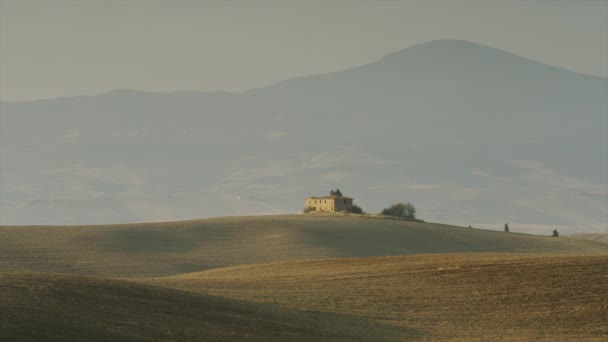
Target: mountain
pixel 468 133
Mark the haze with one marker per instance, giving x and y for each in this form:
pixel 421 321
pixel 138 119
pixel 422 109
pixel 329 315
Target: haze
pixel 67 48
pixel 477 113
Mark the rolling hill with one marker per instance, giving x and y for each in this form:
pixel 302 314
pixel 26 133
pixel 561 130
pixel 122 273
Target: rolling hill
pixel 298 277
pixel 171 248
pixel 461 297
pixel 602 237
pixel 54 307
pixel 494 136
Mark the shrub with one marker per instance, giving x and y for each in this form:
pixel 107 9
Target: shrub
pixel 401 210
pixel 555 233
pixel 355 209
pixel 309 209
pixel 397 210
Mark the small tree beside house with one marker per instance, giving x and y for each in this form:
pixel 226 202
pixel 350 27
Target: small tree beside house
pixel 355 209
pixel 400 210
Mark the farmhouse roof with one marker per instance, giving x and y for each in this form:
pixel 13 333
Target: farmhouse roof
pixel 329 197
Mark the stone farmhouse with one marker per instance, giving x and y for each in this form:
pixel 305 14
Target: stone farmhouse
pixel 335 202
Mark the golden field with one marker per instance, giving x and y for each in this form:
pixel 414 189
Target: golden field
pixel 171 248
pixel 461 297
pixel 298 278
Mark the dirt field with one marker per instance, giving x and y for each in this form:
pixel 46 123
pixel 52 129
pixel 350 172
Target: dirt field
pixel 294 278
pixel 457 297
pixel 171 248
pixel 52 307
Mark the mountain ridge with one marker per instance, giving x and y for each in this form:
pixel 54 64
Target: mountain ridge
pixel 395 55
pixel 466 147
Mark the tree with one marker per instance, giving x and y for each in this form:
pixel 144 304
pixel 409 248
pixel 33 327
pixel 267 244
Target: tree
pixel 355 209
pixel 410 211
pixel 397 210
pixel 506 227
pixel 401 210
pixel 555 233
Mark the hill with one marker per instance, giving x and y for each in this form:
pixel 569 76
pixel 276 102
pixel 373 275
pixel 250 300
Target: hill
pixel 53 307
pixel 494 135
pixel 170 248
pixel 601 237
pixel 443 297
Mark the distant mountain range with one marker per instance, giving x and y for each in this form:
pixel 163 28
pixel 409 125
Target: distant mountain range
pixel 468 133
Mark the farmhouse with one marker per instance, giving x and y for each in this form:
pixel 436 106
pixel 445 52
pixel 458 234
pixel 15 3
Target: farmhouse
pixel 335 202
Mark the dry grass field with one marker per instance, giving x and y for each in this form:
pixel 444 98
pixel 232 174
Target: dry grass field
pixel 298 278
pixel 601 237
pixel 53 307
pixel 458 297
pixel 171 248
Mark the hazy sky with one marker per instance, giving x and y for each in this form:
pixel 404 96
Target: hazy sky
pixel 64 48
